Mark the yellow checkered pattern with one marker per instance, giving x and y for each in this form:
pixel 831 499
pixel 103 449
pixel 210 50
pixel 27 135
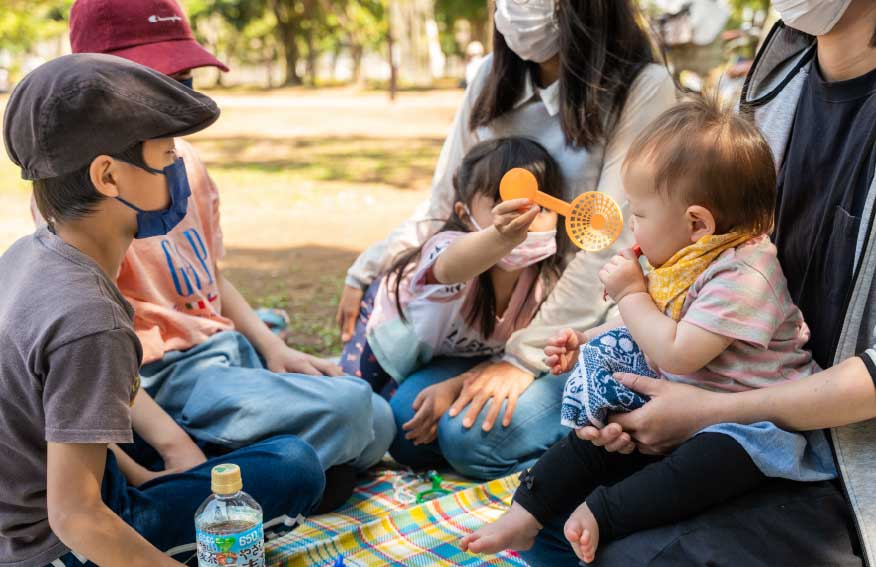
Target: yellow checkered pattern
pixel 380 527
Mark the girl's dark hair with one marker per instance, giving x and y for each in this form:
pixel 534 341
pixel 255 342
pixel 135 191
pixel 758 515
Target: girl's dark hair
pixel 73 195
pixel 603 47
pixel 479 173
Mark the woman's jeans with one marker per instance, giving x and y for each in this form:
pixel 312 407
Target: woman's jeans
pixel 473 452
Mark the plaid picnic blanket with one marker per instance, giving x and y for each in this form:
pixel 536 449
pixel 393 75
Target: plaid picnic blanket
pixel 383 525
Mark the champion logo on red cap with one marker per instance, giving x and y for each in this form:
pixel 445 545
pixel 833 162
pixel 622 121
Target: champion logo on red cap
pixel 155 19
pixel 127 28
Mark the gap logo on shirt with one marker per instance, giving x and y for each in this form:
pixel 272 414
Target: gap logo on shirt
pixel 188 263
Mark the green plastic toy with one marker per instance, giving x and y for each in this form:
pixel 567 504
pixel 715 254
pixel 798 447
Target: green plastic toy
pixel 436 491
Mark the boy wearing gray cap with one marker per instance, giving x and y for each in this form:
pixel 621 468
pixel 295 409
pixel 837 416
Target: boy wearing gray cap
pixel 95 135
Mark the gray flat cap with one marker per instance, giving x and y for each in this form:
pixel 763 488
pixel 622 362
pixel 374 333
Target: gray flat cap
pixel 74 108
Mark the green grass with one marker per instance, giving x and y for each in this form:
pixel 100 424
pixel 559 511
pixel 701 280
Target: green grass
pixel 397 162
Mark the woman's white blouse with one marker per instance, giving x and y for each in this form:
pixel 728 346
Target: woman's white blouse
pixel 576 301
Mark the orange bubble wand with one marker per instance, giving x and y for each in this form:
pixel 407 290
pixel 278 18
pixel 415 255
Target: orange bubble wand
pixel 593 220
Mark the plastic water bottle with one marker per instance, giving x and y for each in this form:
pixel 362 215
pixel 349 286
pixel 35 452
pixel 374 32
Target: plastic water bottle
pixel 228 525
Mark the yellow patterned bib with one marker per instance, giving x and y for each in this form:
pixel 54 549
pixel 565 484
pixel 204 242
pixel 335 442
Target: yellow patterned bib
pixel 669 283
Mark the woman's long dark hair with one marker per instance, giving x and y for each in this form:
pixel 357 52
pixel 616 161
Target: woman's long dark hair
pixel 479 173
pixel 603 47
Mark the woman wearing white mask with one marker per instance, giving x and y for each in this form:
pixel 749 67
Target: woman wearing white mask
pixel 580 78
pixel 812 91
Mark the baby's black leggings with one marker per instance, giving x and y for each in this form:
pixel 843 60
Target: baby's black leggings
pixel 629 493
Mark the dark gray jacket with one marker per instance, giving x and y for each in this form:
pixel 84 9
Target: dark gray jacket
pixel 771 95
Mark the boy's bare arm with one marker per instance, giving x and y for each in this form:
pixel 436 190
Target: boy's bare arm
pixel 79 517
pixel 159 430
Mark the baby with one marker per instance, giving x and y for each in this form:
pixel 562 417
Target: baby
pixel 714 311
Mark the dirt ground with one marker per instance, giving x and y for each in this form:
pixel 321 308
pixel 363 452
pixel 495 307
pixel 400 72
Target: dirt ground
pixel 308 179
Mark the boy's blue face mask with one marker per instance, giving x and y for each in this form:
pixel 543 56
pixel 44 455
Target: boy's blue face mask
pixel 190 82
pixel 158 223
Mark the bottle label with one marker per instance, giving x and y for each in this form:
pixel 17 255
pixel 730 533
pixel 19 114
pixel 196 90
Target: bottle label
pixel 241 549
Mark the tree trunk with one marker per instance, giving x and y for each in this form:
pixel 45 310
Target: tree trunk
pixel 311 58
pixel 291 56
pixel 356 52
pixel 409 20
pixel 288 27
pixel 390 49
pixel 336 55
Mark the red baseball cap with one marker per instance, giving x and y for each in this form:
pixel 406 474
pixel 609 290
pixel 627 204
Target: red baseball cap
pixel 154 33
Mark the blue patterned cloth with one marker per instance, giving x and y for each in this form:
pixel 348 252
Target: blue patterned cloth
pixel 591 392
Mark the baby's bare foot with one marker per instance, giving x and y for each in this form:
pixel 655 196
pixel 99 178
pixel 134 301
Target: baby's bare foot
pixel 516 529
pixel 582 531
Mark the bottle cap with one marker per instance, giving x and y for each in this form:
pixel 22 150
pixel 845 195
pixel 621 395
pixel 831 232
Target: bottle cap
pixel 226 479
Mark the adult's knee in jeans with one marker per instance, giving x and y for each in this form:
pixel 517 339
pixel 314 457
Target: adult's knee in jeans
pixel 351 406
pixel 292 458
pixel 467 449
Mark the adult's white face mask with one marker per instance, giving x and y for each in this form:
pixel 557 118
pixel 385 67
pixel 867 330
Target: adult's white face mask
pixel 815 17
pixel 529 27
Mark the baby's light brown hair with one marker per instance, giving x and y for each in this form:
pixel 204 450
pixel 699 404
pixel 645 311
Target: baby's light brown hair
pixel 705 154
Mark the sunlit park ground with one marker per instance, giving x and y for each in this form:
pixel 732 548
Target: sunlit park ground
pixel 308 179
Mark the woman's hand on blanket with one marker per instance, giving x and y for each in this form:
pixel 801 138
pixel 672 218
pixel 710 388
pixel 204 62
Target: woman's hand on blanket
pixel 430 404
pixel 623 276
pixel 284 359
pixel 612 437
pixel 561 351
pixel 674 413
pixel 496 381
pixel 348 311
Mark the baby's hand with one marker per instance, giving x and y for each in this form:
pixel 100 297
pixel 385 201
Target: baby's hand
pixel 511 219
pixel 623 276
pixel 562 351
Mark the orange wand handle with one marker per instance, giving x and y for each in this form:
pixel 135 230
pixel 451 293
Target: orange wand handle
pixel 550 202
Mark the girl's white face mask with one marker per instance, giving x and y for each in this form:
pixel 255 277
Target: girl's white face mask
pixel 529 27
pixel 538 246
pixel 815 17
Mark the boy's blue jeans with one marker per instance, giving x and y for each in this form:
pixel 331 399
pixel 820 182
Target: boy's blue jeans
pixel 220 392
pixel 534 428
pixel 283 474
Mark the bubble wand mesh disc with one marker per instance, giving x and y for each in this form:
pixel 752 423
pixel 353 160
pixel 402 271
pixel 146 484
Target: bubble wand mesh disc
pixel 593 220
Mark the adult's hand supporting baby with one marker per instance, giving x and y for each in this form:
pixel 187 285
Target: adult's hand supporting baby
pixel 348 311
pixel 497 381
pixel 673 415
pixel 612 437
